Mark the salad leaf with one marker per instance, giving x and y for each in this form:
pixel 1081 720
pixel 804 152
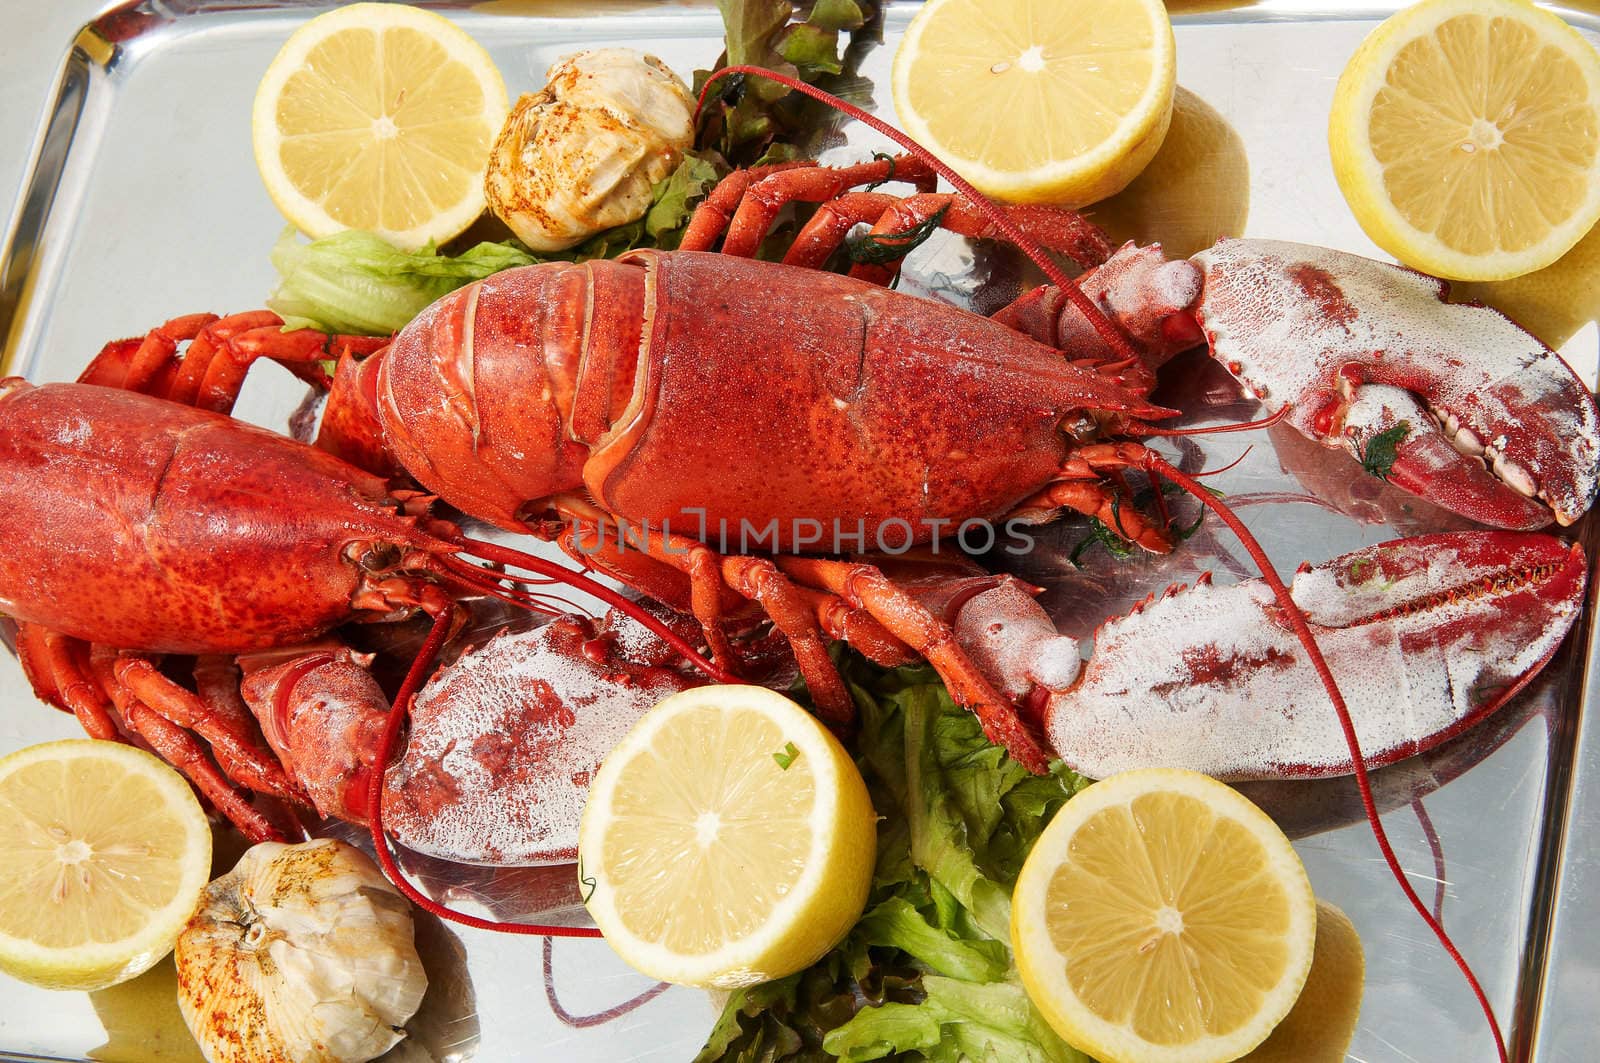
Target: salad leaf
pixel 1382 450
pixel 355 282
pixel 747 120
pixel 812 49
pixel 674 199
pixel 926 974
pixel 358 283
pixel 896 922
pixel 957 1021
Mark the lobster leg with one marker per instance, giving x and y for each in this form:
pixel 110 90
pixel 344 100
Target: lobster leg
pixel 1080 486
pixel 864 586
pixel 180 749
pixel 211 371
pixel 145 365
pixel 710 219
pixel 708 575
pixel 216 681
pixel 688 557
pixel 857 627
pixel 759 579
pixel 52 662
pixel 896 220
pixel 1060 230
pixel 827 228
pixel 215 365
pixel 233 750
pixel 760 195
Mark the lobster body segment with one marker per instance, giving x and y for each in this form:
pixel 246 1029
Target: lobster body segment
pixel 634 378
pixel 165 513
pixel 833 360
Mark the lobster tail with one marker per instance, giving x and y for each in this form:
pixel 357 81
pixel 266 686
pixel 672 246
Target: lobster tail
pixel 477 394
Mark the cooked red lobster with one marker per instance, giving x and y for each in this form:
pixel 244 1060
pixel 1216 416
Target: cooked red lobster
pixel 570 399
pixel 622 407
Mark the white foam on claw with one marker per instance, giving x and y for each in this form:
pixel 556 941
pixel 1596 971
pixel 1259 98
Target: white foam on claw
pixel 1015 643
pixel 1289 316
pixel 516 729
pixel 1147 698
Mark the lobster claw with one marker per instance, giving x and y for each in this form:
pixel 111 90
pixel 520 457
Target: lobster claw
pixel 1426 636
pixel 505 741
pixel 1496 427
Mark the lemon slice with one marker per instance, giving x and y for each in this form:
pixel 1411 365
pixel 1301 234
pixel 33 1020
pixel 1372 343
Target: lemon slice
pixel 378 117
pixel 728 840
pixel 1161 918
pixel 103 854
pixel 1322 1023
pixel 1465 135
pixel 1038 101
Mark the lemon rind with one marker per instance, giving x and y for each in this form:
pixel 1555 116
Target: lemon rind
pixel 1082 179
pixel 307 214
pixel 95 965
pixel 1042 969
pixel 773 951
pixel 1360 175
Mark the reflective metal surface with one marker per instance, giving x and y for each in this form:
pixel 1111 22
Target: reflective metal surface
pixel 143 203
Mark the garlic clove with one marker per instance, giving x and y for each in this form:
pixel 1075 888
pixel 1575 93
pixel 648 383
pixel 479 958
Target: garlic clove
pixel 300 954
pixel 582 155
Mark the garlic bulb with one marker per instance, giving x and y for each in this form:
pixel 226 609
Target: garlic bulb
pixel 300 954
pixel 581 155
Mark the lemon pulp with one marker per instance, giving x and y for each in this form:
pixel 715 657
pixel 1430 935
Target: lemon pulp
pixel 1163 918
pixel 379 117
pixel 728 839
pixel 1059 101
pixel 1465 135
pixel 103 854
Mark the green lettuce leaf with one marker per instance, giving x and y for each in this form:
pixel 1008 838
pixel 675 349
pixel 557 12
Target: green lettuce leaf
pixel 748 119
pixel 958 1020
pixel 674 200
pixel 358 283
pixel 927 972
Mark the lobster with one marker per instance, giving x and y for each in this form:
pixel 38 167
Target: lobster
pixel 661 388
pixel 569 399
pixel 176 524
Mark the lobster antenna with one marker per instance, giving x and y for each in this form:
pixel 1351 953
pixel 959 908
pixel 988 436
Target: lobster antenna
pixel 579 581
pixel 1155 464
pixel 1225 468
pixel 1139 428
pixel 476 580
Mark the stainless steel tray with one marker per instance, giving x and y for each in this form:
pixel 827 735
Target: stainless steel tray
pixel 143 202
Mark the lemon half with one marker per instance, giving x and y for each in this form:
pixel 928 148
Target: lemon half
pixel 1162 918
pixel 103 853
pixel 379 117
pixel 1465 135
pixel 727 840
pixel 1040 101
